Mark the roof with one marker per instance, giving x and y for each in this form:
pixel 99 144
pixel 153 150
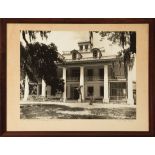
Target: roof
pixel 91 60
pixel 84 42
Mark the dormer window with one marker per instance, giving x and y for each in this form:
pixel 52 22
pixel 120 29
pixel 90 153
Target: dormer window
pixel 86 47
pixel 74 56
pixel 81 47
pixel 95 54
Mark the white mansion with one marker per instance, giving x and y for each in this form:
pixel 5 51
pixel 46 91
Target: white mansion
pixel 91 71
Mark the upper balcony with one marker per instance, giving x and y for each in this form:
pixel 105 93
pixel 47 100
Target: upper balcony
pixel 73 79
pixel 94 78
pixel 86 78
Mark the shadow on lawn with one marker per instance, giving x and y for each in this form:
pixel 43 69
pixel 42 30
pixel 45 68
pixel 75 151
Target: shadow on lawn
pixel 41 111
pixel 115 113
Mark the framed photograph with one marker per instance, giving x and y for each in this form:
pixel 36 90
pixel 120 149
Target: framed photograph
pixel 77 77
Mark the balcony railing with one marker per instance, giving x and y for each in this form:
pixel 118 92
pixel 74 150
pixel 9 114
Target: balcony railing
pixel 87 78
pixel 73 78
pixel 94 78
pixel 117 98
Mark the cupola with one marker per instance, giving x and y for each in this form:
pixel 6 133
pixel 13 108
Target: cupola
pixel 84 46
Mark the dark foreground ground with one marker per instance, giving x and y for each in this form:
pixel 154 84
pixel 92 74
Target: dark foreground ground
pixel 54 111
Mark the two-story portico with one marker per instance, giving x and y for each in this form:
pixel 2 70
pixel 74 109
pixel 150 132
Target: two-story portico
pixel 96 74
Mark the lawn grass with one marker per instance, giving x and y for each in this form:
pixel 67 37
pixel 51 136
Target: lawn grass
pixel 54 111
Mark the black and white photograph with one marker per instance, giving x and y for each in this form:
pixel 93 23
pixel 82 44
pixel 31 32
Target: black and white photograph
pixel 77 74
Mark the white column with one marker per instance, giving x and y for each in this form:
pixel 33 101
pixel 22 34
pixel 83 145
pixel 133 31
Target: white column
pixel 130 99
pixel 64 78
pixel 37 89
pixel 43 88
pixel 26 89
pixel 106 91
pixel 82 83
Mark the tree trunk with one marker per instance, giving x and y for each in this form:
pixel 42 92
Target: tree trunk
pixel 26 89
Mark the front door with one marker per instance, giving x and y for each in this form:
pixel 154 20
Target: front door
pixel 74 93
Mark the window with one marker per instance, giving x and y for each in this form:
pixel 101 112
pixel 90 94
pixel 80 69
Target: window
pixel 75 73
pixel 90 91
pixel 74 56
pixel 89 72
pixel 81 47
pixel 101 73
pixel 95 54
pixel 86 47
pixel 101 91
pixel 118 90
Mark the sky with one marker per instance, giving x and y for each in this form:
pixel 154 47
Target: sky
pixel 68 40
pixel 65 40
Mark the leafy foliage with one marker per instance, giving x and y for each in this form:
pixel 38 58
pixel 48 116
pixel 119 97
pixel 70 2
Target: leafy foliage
pixel 123 39
pixel 32 35
pixel 38 61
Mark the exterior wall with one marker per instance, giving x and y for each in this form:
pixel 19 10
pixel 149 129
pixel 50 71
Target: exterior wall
pixel 95 70
pixel 96 86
